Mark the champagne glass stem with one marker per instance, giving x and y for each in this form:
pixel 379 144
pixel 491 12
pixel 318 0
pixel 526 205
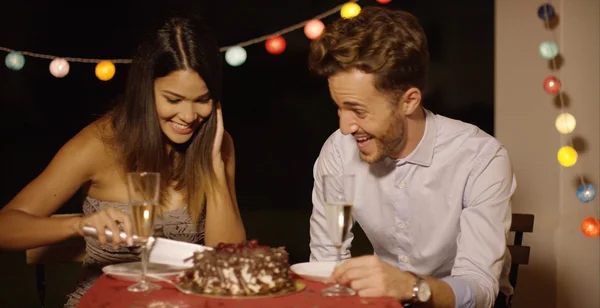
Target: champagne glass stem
pixel 144 255
pixel 339 260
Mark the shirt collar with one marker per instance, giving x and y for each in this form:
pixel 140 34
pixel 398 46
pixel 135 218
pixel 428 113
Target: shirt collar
pixel 423 154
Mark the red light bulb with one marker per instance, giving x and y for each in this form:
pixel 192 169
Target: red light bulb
pixel 275 45
pixel 590 227
pixel 552 85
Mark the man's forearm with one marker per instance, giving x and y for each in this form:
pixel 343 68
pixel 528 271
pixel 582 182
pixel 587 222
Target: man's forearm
pixel 442 295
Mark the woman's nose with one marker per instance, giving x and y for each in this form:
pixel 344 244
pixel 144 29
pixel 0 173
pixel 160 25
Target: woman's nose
pixel 187 113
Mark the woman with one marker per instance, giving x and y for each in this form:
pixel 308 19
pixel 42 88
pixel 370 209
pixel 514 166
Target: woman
pixel 169 121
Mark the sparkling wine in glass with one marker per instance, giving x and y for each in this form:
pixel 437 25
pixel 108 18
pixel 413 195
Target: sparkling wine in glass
pixel 338 195
pixel 143 219
pixel 144 192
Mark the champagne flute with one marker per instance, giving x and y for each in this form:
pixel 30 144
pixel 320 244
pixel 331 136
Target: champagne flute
pixel 338 195
pixel 144 192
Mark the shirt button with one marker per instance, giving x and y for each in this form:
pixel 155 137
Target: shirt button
pixel 402 225
pixel 401 185
pixel 404 259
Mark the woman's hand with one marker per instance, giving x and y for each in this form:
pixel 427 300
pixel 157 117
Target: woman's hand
pixel 217 157
pixel 109 218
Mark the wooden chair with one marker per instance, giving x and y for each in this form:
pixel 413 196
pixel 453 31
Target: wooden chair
pixel 69 251
pixel 521 223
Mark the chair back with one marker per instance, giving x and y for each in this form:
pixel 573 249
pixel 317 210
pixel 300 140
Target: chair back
pixel 68 251
pixel 521 223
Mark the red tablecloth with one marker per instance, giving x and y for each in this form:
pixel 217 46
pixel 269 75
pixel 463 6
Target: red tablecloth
pixel 109 293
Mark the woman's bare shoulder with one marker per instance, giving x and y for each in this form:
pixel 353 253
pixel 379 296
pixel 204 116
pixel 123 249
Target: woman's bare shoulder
pixel 94 140
pixel 100 129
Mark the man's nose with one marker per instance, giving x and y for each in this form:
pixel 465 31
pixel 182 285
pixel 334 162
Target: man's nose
pixel 347 123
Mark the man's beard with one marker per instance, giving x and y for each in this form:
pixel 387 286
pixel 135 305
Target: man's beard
pixel 390 144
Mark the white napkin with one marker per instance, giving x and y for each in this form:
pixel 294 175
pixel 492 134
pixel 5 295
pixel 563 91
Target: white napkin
pixel 165 251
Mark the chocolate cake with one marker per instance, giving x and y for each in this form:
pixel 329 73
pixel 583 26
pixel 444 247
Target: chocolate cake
pixel 244 269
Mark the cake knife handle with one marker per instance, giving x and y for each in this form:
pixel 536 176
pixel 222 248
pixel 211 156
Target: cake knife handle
pixel 92 232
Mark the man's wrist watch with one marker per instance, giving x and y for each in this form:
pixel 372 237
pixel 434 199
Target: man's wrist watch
pixel 421 291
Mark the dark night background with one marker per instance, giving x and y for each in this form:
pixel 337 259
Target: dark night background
pixel 278 113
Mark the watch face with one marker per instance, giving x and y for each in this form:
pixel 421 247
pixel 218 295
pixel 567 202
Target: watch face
pixel 424 292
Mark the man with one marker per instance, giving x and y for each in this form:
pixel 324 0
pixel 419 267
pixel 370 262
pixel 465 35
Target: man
pixel 432 193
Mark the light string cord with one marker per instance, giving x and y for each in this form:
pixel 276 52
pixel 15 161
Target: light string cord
pixel 225 48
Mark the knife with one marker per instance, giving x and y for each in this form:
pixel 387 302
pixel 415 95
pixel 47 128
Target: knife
pixel 162 250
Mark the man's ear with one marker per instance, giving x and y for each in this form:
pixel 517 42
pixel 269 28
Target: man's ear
pixel 410 101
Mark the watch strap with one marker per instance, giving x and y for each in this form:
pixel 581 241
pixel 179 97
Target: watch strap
pixel 415 288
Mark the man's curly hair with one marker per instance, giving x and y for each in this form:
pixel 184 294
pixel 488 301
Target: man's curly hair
pixel 389 44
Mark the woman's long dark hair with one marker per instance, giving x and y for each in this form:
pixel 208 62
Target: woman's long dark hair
pixel 179 43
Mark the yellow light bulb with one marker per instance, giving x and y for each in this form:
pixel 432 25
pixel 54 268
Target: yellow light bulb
pixel 349 10
pixel 567 156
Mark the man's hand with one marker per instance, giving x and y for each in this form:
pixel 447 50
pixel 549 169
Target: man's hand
pixel 372 277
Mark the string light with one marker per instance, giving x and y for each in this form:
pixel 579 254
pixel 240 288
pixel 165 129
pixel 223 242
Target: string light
pixel 590 227
pixel 15 60
pixel 548 50
pixel 235 56
pixel 565 122
pixel 313 29
pixel 546 12
pixel 70 59
pixel 552 85
pixel 586 193
pixel 288 29
pixel 350 10
pixel 59 67
pixel 105 70
pixel 275 45
pixel 567 156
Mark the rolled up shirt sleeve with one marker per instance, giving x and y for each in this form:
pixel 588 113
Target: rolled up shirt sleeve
pixel 484 225
pixel 464 296
pixel 321 245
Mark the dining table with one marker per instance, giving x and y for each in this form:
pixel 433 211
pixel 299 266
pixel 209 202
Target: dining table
pixel 108 292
